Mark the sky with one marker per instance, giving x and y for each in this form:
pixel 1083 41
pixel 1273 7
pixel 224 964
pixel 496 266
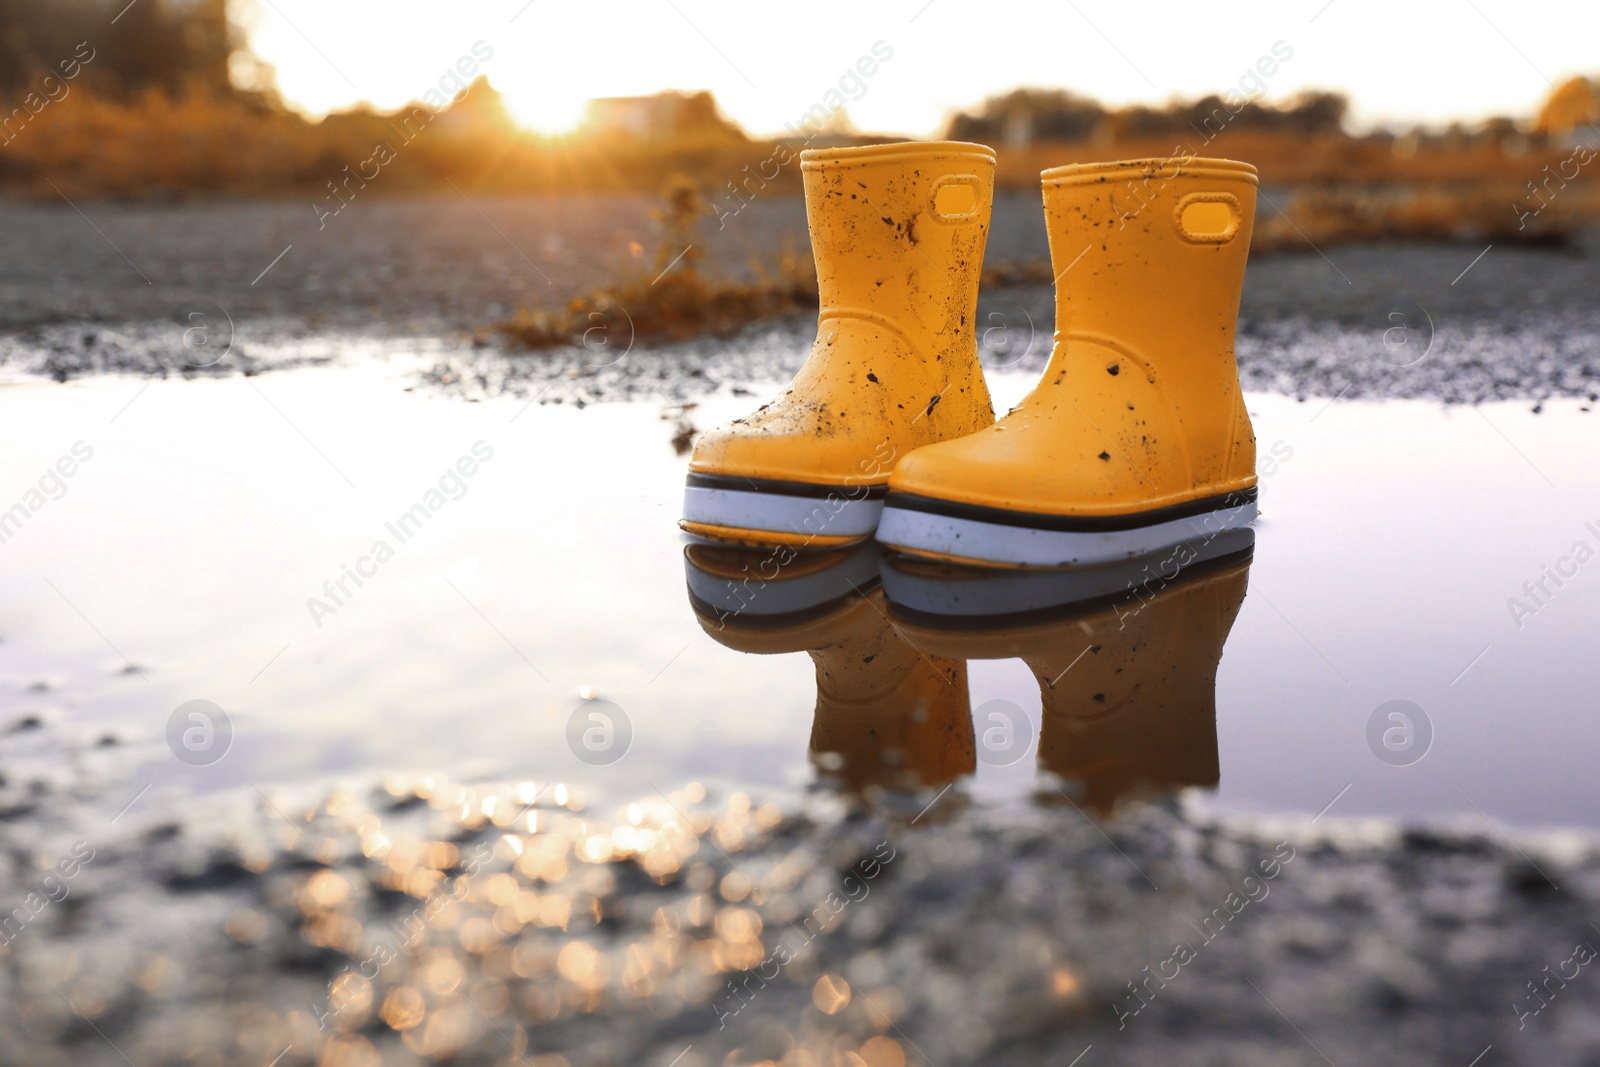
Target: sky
pixel 1402 62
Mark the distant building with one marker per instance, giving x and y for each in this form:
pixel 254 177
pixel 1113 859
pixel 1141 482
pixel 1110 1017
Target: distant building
pixel 480 104
pixel 1572 113
pixel 662 117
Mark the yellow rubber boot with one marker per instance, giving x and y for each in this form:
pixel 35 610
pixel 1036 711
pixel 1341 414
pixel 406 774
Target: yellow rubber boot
pixel 1127 682
pixel 1137 435
pixel 898 233
pixel 886 715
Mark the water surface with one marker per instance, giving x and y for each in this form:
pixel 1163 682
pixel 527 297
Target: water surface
pixel 516 560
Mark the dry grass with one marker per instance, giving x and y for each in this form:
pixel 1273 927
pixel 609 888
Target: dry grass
pixel 675 300
pixel 1017 272
pixel 1498 212
pixel 161 145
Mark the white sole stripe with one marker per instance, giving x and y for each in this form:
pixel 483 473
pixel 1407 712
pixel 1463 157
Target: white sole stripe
pixel 1019 545
pixel 836 515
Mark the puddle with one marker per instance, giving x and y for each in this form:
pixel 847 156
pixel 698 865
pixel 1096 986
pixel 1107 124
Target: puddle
pixel 368 581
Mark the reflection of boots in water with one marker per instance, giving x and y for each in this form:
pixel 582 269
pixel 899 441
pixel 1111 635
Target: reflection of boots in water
pixel 886 714
pixel 1127 679
pixel 1138 713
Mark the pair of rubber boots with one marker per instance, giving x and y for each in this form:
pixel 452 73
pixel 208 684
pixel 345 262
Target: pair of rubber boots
pixel 1136 436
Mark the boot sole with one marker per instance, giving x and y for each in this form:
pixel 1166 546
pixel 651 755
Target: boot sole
pixel 771 511
pixel 981 536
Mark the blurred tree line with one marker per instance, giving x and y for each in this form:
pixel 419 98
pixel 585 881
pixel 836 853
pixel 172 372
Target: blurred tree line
pixel 1032 116
pixel 176 46
pixel 173 103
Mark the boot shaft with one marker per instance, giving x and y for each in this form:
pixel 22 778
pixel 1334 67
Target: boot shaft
pixel 898 232
pixel 1149 257
pixel 1152 253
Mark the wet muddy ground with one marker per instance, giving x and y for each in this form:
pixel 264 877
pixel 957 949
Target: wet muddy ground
pixel 399 833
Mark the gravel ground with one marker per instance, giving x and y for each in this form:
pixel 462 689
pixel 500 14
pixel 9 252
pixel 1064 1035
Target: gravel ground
pixel 395 267
pixel 430 276
pixel 959 937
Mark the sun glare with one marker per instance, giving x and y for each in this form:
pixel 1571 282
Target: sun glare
pixel 544 112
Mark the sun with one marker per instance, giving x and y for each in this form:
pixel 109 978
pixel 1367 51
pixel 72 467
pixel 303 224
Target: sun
pixel 542 111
